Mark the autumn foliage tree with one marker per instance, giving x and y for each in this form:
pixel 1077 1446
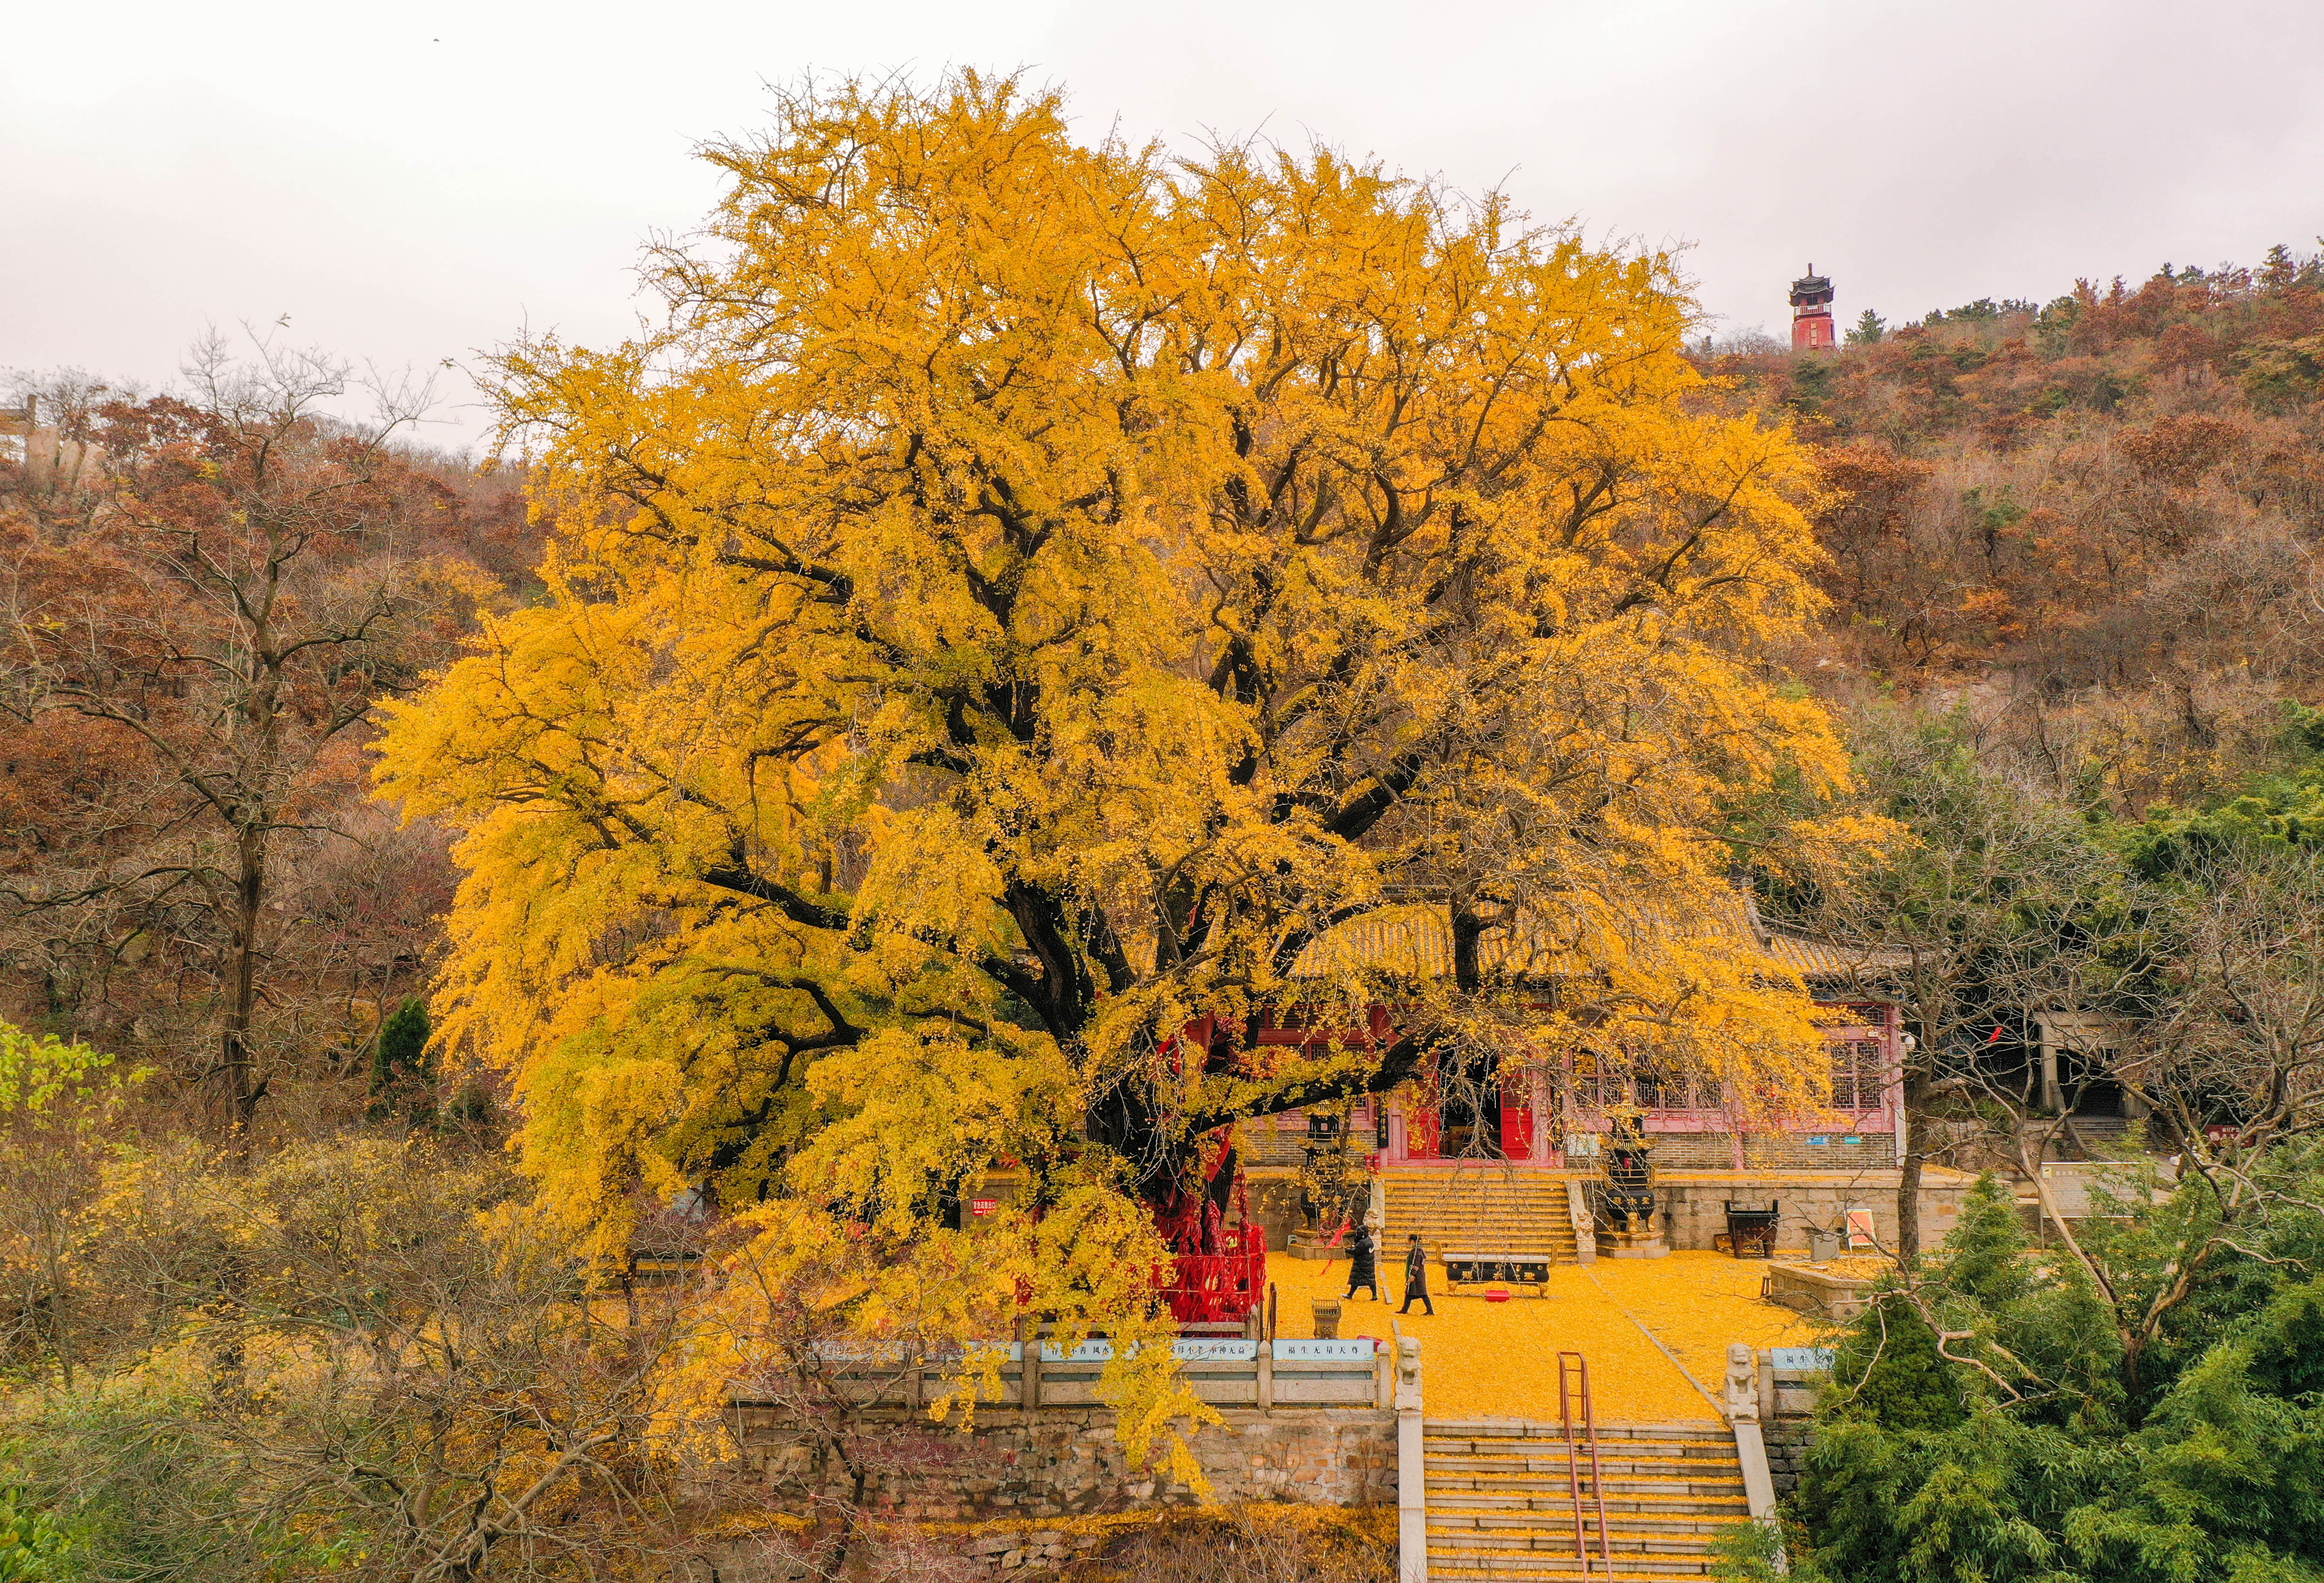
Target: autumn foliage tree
pixel 194 642
pixel 355 1357
pixel 1027 598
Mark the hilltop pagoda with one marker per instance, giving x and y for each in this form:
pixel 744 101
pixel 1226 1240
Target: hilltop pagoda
pixel 1812 328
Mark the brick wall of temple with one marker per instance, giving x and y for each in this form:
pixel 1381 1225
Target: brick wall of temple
pixel 1836 1151
pixel 1694 1151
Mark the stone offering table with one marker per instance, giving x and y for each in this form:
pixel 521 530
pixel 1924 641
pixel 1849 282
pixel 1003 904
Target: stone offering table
pixel 1482 1269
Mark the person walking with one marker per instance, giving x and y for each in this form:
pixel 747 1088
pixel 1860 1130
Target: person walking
pixel 1416 1277
pixel 1363 1264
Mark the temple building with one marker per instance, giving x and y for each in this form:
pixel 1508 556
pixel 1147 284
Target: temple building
pixel 1519 1164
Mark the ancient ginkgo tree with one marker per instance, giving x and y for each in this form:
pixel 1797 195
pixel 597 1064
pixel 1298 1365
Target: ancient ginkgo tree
pixel 1028 598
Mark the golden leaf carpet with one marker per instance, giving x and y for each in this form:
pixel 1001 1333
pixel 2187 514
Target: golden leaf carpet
pixel 1483 1360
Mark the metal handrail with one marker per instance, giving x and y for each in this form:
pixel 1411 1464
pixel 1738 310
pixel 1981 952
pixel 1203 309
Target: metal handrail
pixel 1580 1367
pixel 1573 1462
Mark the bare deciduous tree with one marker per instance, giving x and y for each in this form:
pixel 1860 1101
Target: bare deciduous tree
pixel 1988 911
pixel 190 665
pixel 2227 1056
pixel 403 1373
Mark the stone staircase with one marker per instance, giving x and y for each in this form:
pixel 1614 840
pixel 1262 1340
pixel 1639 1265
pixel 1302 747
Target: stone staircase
pixel 1521 1213
pixel 1501 1506
pixel 2092 1137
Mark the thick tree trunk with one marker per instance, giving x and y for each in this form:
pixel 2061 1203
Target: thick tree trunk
pixel 254 827
pixel 1165 1167
pixel 1913 1098
pixel 1908 1185
pixel 1167 1156
pixel 242 1089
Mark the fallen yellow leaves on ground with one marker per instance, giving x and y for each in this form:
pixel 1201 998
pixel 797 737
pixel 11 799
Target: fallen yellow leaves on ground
pixel 1871 1266
pixel 1483 1360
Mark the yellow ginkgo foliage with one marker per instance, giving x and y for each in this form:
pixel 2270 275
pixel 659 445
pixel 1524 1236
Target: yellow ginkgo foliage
pixel 1024 597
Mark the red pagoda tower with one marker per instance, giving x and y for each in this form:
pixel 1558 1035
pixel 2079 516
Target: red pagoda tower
pixel 1812 313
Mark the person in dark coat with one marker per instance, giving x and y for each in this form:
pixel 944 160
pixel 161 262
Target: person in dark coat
pixel 1416 1277
pixel 1363 1264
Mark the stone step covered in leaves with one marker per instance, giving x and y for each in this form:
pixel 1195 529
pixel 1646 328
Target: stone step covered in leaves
pixel 1644 1501
pixel 1548 1484
pixel 1500 1499
pixel 1640 1531
pixel 1525 1213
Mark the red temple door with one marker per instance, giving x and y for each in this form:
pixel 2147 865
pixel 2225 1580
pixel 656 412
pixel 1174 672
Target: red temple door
pixel 1424 1117
pixel 1517 1115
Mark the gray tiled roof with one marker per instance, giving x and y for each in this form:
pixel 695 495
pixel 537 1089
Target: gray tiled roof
pixel 1414 940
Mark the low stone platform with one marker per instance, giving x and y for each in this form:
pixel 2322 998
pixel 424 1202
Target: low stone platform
pixel 1837 1295
pixel 1487 1359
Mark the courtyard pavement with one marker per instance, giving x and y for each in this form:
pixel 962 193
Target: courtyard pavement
pixel 1483 1360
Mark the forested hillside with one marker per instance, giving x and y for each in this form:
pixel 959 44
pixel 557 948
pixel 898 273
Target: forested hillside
pixel 207 593
pixel 2093 523
pixel 2077 631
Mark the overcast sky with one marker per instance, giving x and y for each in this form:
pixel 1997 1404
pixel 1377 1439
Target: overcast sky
pixel 411 183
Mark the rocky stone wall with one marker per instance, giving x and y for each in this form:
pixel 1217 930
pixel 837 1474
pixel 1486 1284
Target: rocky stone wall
pixel 1014 1486
pixel 1788 1439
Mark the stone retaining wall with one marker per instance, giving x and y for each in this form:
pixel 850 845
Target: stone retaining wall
pixel 1788 1440
pixel 1818 1293
pixel 1694 1204
pixel 1015 1472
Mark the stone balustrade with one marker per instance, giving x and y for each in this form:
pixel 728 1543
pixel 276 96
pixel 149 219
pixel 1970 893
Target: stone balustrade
pixel 1789 1380
pixel 1225 1372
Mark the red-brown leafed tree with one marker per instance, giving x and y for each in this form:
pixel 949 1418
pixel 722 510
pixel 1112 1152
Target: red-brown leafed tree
pixel 193 657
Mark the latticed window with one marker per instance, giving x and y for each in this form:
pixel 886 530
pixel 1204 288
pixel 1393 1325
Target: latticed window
pixel 1660 1089
pixel 1593 1086
pixel 1857 1078
pixel 1598 1082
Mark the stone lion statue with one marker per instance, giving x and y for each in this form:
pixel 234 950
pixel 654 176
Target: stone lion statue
pixel 1742 1383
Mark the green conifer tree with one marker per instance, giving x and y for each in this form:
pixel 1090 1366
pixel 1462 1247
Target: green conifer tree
pixel 403 1071
pixel 1985 1253
pixel 1891 1372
